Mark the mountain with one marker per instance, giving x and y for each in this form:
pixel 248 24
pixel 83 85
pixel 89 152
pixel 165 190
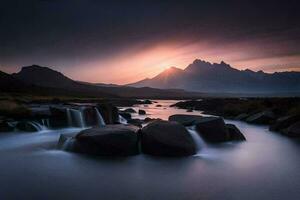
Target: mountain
pixel 44 80
pixel 202 76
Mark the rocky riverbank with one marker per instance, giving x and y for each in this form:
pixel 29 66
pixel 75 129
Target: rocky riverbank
pixel 281 114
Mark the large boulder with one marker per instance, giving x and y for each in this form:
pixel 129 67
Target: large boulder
pixel 186 120
pixel 109 140
pixel 265 117
pixel 109 113
pixel 284 122
pixel 234 133
pixel 163 138
pixel 293 130
pixel 212 129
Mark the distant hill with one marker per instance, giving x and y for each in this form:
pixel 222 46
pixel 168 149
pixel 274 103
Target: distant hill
pixel 201 76
pixel 43 80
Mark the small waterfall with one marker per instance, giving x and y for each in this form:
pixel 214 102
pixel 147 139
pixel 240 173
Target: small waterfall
pixel 197 138
pixel 69 116
pixel 38 126
pixel 100 118
pixel 75 117
pixel 122 120
pixel 45 123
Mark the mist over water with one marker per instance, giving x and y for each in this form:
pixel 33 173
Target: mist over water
pixel 266 166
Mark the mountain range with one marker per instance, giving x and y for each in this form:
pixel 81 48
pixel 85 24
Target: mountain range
pixel 46 81
pixel 202 76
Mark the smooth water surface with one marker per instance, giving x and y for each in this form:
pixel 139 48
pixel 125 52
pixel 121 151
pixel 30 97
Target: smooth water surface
pixel 266 166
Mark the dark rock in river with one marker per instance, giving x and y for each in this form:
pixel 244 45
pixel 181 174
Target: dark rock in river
pixel 5 126
pixel 284 122
pixel 213 129
pixel 129 110
pixel 147 101
pixel 242 116
pixel 90 116
pixel 158 105
pixel 135 122
pixel 59 117
pixel 186 120
pixel 109 113
pixel 142 112
pixel 265 117
pixel 234 133
pixel 27 126
pixel 109 140
pixel 293 130
pixel 163 138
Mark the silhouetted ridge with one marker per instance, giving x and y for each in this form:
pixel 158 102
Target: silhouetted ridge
pixel 202 76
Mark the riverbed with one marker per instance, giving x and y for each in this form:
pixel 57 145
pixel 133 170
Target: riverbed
pixel 266 166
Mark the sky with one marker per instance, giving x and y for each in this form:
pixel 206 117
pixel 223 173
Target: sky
pixel 126 41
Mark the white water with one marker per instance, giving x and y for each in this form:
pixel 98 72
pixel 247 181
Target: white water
pixel 122 120
pixel 100 118
pixel 75 117
pixel 38 126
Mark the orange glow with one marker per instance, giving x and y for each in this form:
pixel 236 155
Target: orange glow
pixel 140 62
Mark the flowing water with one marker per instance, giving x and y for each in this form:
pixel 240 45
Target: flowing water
pixel 266 166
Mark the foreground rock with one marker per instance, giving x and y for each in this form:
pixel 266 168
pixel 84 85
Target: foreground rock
pixel 186 120
pixel 214 130
pixel 109 140
pixel 163 138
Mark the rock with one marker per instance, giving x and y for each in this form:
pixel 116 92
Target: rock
pixel 163 138
pixel 189 110
pixel 284 122
pixel 293 130
pixel 109 140
pixel 27 126
pixel 142 112
pixel 212 129
pixel 158 105
pixel 129 110
pixel 186 120
pixel 135 122
pixel 147 101
pixel 126 115
pixel 58 117
pixel 242 116
pixel 90 116
pixel 234 133
pixel 109 113
pixel 5 126
pixel 265 117
pixel 148 119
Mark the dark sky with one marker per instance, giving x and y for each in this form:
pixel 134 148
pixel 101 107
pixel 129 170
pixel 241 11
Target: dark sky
pixel 88 39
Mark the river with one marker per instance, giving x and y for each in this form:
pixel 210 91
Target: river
pixel 266 166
